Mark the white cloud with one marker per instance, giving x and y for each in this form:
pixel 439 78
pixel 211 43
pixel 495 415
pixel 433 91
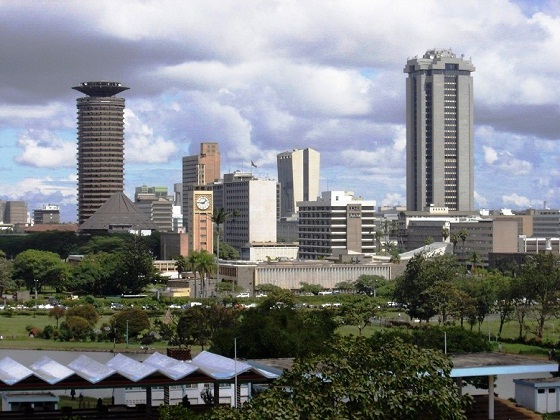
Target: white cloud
pixel 490 155
pixel 393 199
pixel 518 201
pixel 480 200
pixel 141 145
pixel 42 149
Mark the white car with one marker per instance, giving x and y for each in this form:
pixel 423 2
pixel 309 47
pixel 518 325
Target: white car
pixel 243 295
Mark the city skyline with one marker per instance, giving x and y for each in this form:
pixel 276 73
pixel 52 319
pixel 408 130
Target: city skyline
pixel 269 77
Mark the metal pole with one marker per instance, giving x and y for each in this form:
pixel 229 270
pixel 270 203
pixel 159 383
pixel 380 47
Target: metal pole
pixel 127 333
pixel 36 281
pixel 235 372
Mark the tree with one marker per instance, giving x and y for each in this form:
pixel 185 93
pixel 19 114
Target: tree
pixel 358 312
pixel 368 284
pixel 445 234
pixel 354 379
pixel 203 263
pixel 133 320
pixel 57 313
pixel 505 297
pixel 135 268
pixel 454 239
pixel 181 264
pixel 463 234
pixel 40 268
pixel 541 278
pixel 102 243
pixel 422 273
pixel 275 331
pixel 75 328
pixel 95 273
pixel 220 217
pixel 6 269
pixel 310 288
pixel 87 312
pixel 345 285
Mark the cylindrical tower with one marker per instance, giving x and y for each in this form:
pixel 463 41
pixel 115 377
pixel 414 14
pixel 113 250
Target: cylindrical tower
pixel 100 145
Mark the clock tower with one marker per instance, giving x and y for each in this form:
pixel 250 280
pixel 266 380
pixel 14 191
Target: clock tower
pixel 200 224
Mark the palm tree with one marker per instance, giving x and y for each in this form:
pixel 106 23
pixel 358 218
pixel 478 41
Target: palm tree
pixel 220 217
pixel 205 264
pixel 445 234
pixel 454 239
pixel 192 260
pixel 181 265
pixel 463 234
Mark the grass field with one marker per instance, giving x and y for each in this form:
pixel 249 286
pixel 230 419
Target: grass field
pixel 14 333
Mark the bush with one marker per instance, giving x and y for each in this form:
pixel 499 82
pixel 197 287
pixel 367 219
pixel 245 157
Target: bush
pixel 48 332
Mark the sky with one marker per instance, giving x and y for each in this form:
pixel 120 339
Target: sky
pixel 263 77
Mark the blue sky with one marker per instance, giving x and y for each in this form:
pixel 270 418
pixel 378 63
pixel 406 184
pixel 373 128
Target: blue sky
pixel 263 77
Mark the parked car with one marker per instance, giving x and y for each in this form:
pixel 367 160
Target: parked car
pixel 243 295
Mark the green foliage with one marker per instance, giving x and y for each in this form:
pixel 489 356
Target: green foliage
pixel 227 252
pixel 541 285
pixel 137 320
pixel 352 379
pixel 102 243
pixel 40 268
pixel 310 288
pixel 367 284
pixel 272 331
pixel 94 273
pixel 87 312
pixel 358 312
pixel 75 328
pixel 203 263
pixel 425 279
pixel 175 412
pixel 61 243
pixel 181 264
pixel 6 268
pixel 57 313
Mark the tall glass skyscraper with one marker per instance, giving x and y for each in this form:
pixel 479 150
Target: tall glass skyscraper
pixel 439 132
pixel 100 145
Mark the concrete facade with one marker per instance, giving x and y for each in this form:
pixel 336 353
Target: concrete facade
pixel 336 221
pixel 100 145
pixel 298 175
pixel 199 170
pixel 439 131
pixel 49 214
pixel 289 275
pixel 254 200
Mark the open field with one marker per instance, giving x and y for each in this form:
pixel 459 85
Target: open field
pixel 15 335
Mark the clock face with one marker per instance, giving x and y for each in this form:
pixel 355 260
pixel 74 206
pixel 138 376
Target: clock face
pixel 203 202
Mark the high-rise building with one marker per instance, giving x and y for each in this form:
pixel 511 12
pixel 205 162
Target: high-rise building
pixel 157 205
pixel 100 145
pixel 49 214
pixel 254 202
pixel 298 175
pixel 198 171
pixel 439 132
pixel 337 221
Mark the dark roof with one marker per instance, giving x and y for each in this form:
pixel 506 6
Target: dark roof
pixel 118 213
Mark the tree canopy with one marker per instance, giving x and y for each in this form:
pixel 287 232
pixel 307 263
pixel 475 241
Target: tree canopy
pixel 40 268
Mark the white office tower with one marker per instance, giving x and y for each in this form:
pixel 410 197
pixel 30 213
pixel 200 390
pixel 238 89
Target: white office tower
pixel 298 175
pixel 254 202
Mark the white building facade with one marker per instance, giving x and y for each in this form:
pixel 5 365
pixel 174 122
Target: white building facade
pixel 336 221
